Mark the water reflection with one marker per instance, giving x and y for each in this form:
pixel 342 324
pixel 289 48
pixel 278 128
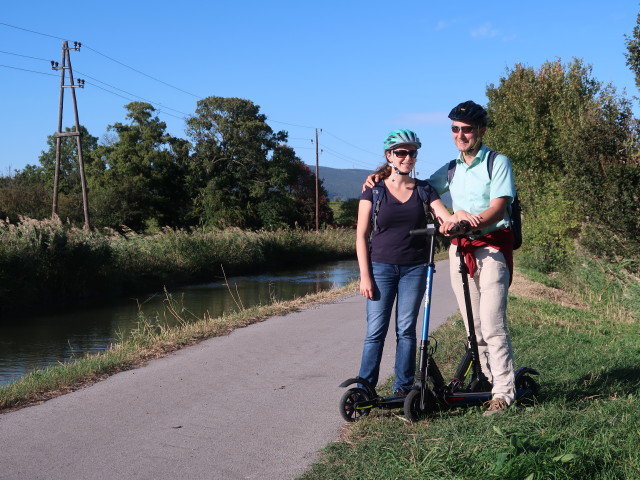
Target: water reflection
pixel 38 342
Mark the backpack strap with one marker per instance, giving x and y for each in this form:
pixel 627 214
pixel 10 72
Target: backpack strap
pixel 424 189
pixel 379 192
pixel 451 170
pixel 452 166
pixel 492 157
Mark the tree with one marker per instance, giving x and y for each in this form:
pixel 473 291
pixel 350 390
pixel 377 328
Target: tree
pixel 141 179
pixel 25 194
pixel 566 135
pixel 69 175
pixel 348 215
pixel 304 191
pixel 70 203
pixel 633 51
pixel 245 174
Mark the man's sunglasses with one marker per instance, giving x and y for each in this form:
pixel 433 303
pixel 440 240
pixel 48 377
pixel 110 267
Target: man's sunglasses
pixel 465 129
pixel 404 153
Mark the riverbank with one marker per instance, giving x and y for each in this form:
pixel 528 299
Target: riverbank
pixel 47 264
pixel 259 403
pixel 147 342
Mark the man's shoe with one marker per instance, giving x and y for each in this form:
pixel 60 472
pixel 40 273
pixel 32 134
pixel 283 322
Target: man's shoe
pixel 495 405
pixel 400 393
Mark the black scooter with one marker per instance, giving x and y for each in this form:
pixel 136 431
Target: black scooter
pixel 430 392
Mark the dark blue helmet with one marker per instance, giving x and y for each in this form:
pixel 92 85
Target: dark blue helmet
pixel 469 112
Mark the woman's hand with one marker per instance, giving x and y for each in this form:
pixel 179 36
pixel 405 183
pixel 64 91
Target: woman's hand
pixel 446 226
pixel 366 287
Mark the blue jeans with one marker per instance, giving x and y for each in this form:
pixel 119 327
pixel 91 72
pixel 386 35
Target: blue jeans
pixel 407 283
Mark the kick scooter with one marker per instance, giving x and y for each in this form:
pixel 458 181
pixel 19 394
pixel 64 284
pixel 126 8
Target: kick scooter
pixel 430 392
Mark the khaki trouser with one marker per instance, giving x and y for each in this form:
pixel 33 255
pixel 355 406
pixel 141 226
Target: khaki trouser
pixel 488 289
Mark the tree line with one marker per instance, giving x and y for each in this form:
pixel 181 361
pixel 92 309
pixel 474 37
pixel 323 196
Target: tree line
pixel 232 171
pixel 574 147
pixel 572 140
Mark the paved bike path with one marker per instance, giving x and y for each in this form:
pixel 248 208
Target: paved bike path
pixel 257 404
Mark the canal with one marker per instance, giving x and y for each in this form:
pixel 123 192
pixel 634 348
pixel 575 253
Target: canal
pixel 38 342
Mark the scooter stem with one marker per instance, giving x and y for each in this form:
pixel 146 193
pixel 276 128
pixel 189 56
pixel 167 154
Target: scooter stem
pixel 477 374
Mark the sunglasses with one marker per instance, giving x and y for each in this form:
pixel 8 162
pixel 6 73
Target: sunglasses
pixel 404 153
pixel 465 129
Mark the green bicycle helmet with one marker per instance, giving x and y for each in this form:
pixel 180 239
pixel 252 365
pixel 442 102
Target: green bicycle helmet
pixel 401 137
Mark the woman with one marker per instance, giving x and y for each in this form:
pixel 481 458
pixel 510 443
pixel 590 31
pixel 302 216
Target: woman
pixel 392 262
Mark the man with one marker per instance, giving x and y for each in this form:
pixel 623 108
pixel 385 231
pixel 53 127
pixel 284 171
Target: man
pixel 482 199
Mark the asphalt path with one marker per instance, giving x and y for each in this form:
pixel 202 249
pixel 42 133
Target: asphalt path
pixel 259 403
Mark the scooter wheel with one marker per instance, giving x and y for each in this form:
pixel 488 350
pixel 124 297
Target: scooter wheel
pixel 412 410
pixel 529 385
pixel 348 409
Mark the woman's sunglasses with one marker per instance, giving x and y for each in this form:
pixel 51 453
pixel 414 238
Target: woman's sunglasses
pixel 404 153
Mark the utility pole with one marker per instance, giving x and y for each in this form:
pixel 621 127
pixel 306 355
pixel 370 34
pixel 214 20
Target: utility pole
pixel 66 65
pixel 317 196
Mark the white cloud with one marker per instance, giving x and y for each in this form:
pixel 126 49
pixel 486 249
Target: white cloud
pixel 444 24
pixel 484 31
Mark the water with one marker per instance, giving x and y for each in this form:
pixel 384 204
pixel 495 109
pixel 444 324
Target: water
pixel 37 342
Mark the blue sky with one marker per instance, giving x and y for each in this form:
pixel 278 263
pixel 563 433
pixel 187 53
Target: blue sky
pixel 356 70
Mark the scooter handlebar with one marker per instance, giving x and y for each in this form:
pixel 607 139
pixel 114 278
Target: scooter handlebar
pixel 460 228
pixel 429 230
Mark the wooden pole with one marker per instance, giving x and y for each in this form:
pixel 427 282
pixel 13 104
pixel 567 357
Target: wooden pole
pixel 66 65
pixel 317 186
pixel 83 180
pixel 56 176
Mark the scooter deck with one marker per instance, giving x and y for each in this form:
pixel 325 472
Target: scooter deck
pixel 381 402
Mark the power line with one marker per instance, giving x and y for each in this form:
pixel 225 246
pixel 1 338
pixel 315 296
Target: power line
pixel 338 155
pixel 160 112
pixel 32 31
pixel 142 73
pixel 129 93
pixel 106 56
pixel 354 146
pixel 157 104
pixel 27 70
pixel 25 56
pixel 291 124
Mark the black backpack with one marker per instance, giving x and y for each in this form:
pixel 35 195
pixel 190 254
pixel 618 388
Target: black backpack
pixel 515 213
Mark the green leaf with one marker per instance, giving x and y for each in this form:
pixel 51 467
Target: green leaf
pixel 567 457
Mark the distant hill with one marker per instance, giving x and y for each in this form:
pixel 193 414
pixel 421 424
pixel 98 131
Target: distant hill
pixel 345 183
pixel 342 184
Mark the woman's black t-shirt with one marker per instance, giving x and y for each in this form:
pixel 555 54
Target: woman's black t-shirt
pixel 391 242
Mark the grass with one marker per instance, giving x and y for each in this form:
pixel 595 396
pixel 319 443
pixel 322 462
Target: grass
pixel 150 340
pixel 585 422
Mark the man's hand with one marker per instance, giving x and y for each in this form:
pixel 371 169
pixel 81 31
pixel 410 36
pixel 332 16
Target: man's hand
pixel 371 181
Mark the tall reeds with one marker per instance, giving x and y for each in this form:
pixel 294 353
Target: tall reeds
pixel 48 262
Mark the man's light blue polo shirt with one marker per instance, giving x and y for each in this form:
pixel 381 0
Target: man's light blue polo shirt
pixel 471 188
